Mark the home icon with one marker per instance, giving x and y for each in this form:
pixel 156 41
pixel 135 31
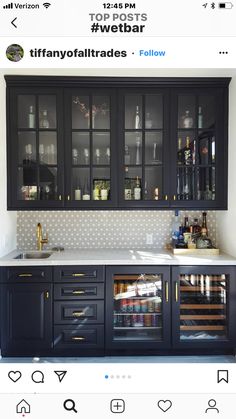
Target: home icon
pixel 23 407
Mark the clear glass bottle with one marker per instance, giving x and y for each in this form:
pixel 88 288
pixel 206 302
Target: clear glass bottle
pixel 127 155
pixel 31 117
pixel 148 121
pixel 175 229
pixel 203 242
pixel 200 118
pixel 86 191
pixel 44 122
pixel 137 120
pixel 137 189
pixel 187 120
pixel 138 156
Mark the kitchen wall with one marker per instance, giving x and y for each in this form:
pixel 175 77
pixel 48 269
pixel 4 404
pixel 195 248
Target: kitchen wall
pixel 103 229
pixel 122 229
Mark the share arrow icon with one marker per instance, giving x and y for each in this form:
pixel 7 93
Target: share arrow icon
pixel 60 374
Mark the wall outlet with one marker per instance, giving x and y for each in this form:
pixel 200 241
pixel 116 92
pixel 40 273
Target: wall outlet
pixel 149 238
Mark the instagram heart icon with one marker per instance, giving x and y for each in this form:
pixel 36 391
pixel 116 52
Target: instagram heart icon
pixel 14 376
pixel 164 405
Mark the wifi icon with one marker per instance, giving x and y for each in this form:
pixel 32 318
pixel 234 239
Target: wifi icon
pixel 46 5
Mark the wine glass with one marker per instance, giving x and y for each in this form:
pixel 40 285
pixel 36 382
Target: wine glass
pixel 75 156
pixel 41 153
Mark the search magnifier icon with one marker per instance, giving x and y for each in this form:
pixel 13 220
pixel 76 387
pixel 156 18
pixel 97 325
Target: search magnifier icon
pixel 69 405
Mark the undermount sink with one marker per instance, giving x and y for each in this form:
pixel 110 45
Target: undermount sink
pixel 34 255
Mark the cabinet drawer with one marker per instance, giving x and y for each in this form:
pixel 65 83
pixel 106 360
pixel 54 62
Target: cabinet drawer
pixel 69 337
pixel 77 312
pixel 79 273
pixel 79 291
pixel 27 274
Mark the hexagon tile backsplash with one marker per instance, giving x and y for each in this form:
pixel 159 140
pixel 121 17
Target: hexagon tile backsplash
pixel 103 229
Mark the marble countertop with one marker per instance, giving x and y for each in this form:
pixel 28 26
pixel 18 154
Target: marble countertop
pixel 117 257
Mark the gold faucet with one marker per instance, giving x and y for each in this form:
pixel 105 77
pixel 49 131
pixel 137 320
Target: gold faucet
pixel 40 240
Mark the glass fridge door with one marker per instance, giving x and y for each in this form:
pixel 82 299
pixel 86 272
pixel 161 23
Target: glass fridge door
pixel 203 307
pixel 138 307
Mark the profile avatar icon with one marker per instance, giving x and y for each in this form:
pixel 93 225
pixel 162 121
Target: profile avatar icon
pixel 14 52
pixel 212 406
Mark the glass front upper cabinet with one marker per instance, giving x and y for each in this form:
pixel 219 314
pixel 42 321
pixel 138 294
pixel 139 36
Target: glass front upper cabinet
pixel 90 151
pixel 143 157
pixel 37 149
pixel 196 148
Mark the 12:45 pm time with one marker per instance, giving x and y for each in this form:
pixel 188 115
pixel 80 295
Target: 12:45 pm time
pixel 119 5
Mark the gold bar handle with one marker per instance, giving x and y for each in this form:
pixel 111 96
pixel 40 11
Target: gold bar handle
pixel 68 197
pixel 166 197
pixel 167 291
pixel 78 338
pixel 78 313
pixel 78 274
pixel 174 197
pixel 59 197
pixel 25 275
pixel 176 292
pixel 78 292
pixel 47 295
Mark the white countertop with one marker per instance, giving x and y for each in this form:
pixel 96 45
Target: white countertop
pixel 117 257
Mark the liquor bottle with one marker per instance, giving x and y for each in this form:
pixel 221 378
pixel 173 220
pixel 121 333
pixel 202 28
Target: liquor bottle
pixel 204 221
pixel 188 156
pixel 186 227
pixel 86 191
pixel 200 118
pixel 175 229
pixel 44 122
pixel 78 192
pixel 186 187
pixel 31 117
pixel 137 189
pixel 187 120
pixel 127 155
pixel 196 228
pixel 137 120
pixel 203 242
pixel 138 157
pixel 180 153
pixel 148 122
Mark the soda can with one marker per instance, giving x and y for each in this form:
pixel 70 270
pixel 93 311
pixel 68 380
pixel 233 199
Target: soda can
pixel 157 307
pixel 150 306
pixel 154 320
pixel 127 320
pixel 119 320
pixel 148 320
pixel 137 307
pixel 144 306
pixel 130 306
pixel 123 305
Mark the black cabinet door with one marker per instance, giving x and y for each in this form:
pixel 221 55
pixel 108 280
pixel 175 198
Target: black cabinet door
pixel 204 307
pixel 26 319
pixel 91 147
pixel 199 130
pixel 138 308
pixel 35 148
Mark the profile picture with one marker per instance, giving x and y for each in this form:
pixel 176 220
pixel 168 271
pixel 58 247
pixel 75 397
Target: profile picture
pixel 14 52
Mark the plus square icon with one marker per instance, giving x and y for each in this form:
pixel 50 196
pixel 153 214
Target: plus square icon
pixel 117 406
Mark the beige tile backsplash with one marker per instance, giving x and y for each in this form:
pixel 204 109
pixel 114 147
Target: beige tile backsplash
pixel 102 229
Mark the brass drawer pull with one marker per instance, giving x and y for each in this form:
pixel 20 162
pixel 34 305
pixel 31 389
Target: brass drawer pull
pixel 78 338
pixel 60 197
pixel 174 197
pixel 78 292
pixel 68 197
pixel 166 197
pixel 78 313
pixel 25 275
pixel 176 292
pixel 78 274
pixel 167 291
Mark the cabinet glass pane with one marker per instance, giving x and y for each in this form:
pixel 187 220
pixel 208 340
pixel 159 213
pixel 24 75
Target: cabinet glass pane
pixel 153 148
pixel 48 147
pixel 101 148
pixel 137 312
pixel 26 111
pixel 27 183
pixel 197 183
pixel 101 112
pixel 47 112
pixel 206 112
pixel 203 307
pixel 48 183
pixel 153 112
pixel 133 175
pixel 133 148
pixel 80 148
pixel 101 184
pixel 80 112
pixel 26 147
pixel 133 112
pixel 153 189
pixel 186 111
pixel 81 184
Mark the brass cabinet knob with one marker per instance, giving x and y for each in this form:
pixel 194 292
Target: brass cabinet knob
pixel 68 197
pixel 60 197
pixel 166 197
pixel 174 197
pixel 78 338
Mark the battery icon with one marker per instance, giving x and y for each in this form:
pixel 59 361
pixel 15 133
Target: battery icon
pixel 226 5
